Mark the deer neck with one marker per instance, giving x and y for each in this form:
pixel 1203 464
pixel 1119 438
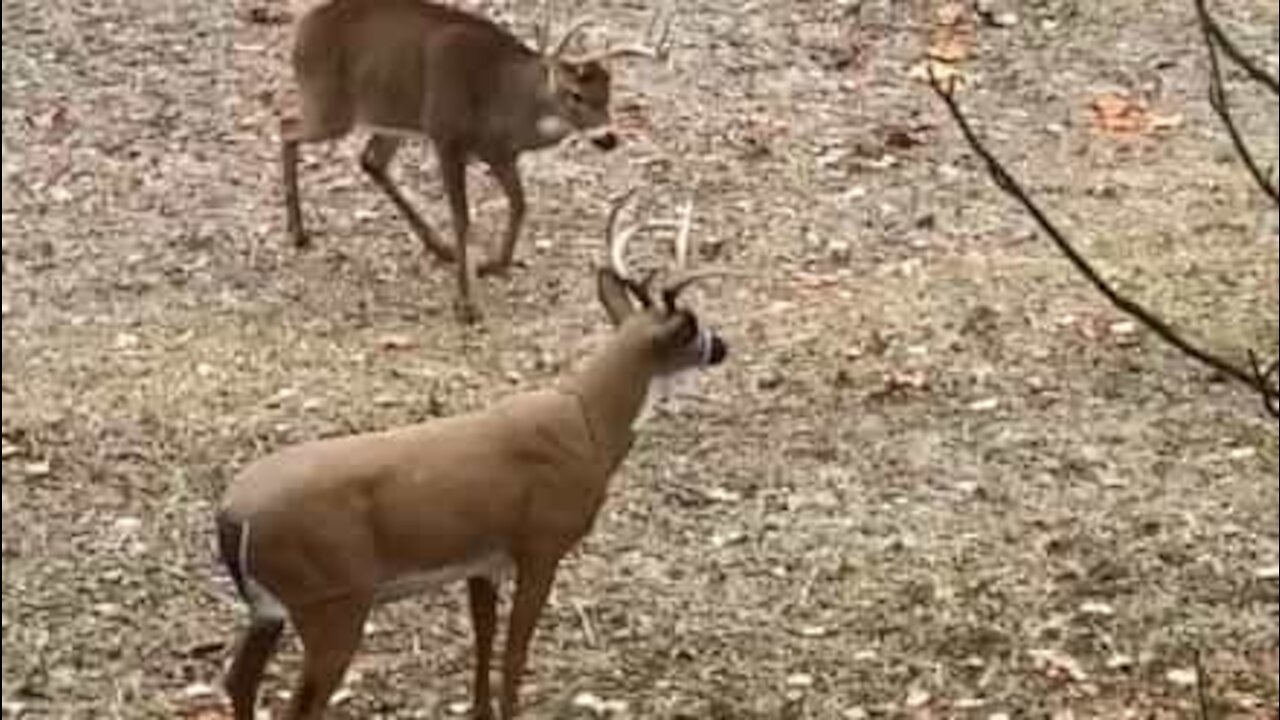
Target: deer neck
pixel 613 388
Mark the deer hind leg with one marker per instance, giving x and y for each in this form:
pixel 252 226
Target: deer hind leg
pixel 533 585
pixel 375 159
pixel 253 652
pixel 330 635
pixel 483 598
pixel 507 173
pixel 326 115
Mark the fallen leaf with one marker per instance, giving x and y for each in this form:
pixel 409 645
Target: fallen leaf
pixel 1120 114
pixel 1058 664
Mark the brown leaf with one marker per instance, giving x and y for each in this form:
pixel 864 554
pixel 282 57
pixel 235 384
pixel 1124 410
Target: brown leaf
pixel 1122 115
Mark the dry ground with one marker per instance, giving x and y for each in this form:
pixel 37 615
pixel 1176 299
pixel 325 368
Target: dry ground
pixel 938 478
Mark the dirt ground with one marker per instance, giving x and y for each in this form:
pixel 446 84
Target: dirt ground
pixel 938 478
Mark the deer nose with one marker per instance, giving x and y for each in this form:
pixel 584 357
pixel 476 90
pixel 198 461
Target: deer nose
pixel 605 141
pixel 719 351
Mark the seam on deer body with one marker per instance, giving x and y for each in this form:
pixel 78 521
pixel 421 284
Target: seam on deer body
pixel 613 397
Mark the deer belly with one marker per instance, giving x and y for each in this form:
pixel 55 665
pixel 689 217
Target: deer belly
pixel 493 567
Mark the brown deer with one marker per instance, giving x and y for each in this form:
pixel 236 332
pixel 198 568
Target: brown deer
pixel 414 68
pixel 319 534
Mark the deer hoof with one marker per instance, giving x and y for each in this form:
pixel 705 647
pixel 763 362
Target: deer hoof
pixel 467 312
pixel 301 240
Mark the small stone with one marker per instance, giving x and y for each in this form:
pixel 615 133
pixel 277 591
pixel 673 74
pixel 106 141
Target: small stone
pixel 1005 19
pixel 800 680
pixel 198 691
pixel 458 708
pixel 1268 573
pixel 918 698
pixel 855 713
pixel 128 525
pixel 1120 661
pixel 37 469
pixel 1182 677
pixel 396 341
pixel 984 405
pixel 1096 609
pixel 813 631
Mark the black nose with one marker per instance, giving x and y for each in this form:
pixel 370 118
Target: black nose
pixel 719 351
pixel 605 142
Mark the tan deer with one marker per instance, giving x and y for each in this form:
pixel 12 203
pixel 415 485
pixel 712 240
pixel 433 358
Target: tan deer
pixel 319 534
pixel 413 68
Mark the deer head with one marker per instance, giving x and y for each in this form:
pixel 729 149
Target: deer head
pixel 677 339
pixel 579 86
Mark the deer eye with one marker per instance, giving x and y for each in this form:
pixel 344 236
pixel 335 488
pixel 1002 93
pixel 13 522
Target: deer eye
pixel 577 96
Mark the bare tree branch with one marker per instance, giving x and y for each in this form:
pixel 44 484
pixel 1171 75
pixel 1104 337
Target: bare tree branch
pixel 1213 39
pixel 1251 377
pixel 1219 36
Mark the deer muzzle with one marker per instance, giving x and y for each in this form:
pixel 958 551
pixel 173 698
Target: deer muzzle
pixel 604 139
pixel 713 350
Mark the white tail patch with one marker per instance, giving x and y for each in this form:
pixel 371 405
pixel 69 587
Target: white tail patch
pixel 262 604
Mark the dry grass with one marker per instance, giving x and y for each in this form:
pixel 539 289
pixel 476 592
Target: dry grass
pixel 801 539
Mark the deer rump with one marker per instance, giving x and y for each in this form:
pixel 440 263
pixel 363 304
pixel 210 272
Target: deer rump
pixel 395 513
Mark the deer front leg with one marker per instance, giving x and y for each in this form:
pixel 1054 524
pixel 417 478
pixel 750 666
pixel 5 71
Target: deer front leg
pixel 290 139
pixel 453 167
pixel 483 598
pixel 533 585
pixel 507 173
pixel 374 160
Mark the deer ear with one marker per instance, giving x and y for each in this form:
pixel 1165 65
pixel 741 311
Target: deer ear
pixel 614 295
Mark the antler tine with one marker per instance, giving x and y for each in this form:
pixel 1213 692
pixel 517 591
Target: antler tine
pixel 574 29
pixel 616 243
pixel 682 236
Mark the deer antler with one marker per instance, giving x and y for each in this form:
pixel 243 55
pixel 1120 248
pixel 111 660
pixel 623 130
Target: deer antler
pixel 654 48
pixel 618 240
pixel 544 33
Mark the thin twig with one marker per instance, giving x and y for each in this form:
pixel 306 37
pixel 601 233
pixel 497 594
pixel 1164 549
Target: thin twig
pixel 1202 696
pixel 1007 183
pixel 588 628
pixel 1221 105
pixel 1233 51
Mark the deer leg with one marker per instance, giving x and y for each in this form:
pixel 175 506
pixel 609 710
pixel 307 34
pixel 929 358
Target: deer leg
pixel 533 585
pixel 254 650
pixel 290 138
pixel 375 159
pixel 507 173
pixel 313 127
pixel 453 167
pixel 330 634
pixel 484 619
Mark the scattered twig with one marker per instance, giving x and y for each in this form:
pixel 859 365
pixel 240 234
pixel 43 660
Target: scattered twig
pixel 1213 29
pixel 588 628
pixel 1202 695
pixel 1250 377
pixel 1213 39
